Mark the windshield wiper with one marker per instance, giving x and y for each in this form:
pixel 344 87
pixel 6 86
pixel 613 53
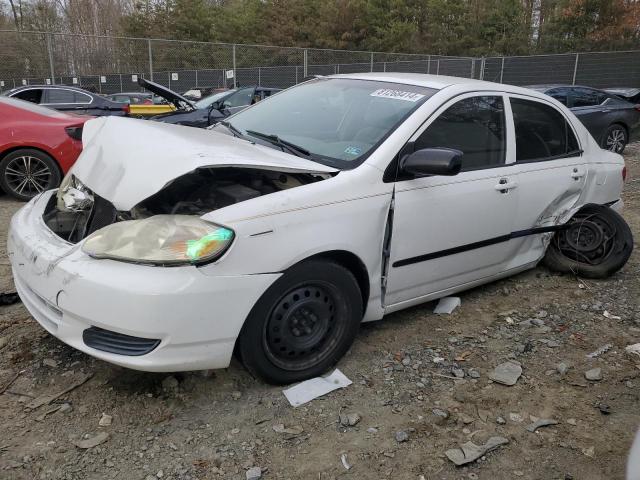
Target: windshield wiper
pixel 283 144
pixel 231 128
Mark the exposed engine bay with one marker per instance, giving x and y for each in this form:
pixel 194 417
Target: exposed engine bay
pixel 76 212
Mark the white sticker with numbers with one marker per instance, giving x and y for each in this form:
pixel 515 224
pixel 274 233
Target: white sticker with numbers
pixel 397 95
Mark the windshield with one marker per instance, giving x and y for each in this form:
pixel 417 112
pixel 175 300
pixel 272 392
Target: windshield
pixel 338 121
pixel 207 101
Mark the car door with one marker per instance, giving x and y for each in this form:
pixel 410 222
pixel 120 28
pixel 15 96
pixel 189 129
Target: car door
pixel 450 231
pixel 586 104
pixel 66 100
pixel 551 173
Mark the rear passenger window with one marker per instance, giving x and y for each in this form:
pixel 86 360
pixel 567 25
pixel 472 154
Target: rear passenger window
pixel 58 96
pixel 475 126
pixel 542 132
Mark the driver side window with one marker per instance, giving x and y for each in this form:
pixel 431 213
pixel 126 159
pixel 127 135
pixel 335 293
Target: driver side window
pixel 239 99
pixel 475 126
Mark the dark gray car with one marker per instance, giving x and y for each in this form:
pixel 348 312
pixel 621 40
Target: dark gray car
pixel 67 99
pixel 612 121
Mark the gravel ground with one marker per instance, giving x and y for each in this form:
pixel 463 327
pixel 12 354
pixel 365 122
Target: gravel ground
pixel 406 391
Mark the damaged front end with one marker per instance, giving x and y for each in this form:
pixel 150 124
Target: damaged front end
pixel 76 212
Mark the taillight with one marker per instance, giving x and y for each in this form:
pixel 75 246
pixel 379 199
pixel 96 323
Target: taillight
pixel 624 173
pixel 637 107
pixel 126 109
pixel 147 101
pixel 75 132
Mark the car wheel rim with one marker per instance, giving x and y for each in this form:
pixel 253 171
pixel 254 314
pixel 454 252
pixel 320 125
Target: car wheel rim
pixel 302 327
pixel 616 140
pixel 27 176
pixel 589 239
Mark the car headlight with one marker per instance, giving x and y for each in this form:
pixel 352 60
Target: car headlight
pixel 160 240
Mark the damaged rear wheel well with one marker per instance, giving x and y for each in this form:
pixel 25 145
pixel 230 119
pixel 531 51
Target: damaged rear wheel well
pixel 351 262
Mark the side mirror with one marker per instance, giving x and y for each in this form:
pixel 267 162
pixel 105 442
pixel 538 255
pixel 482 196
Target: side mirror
pixel 215 106
pixel 432 161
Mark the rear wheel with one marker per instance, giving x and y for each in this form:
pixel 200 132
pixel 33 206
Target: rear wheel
pixel 27 172
pixel 596 244
pixel 615 138
pixel 303 324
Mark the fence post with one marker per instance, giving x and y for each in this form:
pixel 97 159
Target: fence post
pixel 259 76
pixel 438 67
pixel 197 84
pixel 296 74
pixel 304 64
pixel 234 66
pixel 49 50
pixel 428 64
pixel 120 82
pixel 575 69
pixel 482 64
pixel 473 68
pixel 384 66
pixel 150 60
pixel 372 61
pixel 502 70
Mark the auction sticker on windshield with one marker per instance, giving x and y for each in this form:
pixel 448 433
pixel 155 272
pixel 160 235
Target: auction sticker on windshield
pixel 397 94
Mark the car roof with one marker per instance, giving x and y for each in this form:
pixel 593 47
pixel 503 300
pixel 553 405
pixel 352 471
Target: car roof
pixel 437 82
pixel 66 87
pixel 545 87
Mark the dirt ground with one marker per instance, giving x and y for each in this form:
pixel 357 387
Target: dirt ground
pixel 405 387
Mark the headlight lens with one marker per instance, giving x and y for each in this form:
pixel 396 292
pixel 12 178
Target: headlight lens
pixel 161 240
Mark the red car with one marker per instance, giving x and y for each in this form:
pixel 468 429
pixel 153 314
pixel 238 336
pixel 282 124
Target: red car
pixel 38 145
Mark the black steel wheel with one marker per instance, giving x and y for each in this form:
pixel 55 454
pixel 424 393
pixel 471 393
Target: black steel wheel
pixel 596 243
pixel 303 323
pixel 615 138
pixel 26 173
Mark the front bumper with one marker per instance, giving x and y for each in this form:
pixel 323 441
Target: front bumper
pixel 196 317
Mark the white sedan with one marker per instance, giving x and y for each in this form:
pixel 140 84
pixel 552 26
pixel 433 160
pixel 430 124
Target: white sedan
pixel 338 201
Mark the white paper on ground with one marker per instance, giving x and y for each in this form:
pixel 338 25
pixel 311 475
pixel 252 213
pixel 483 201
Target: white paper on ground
pixel 447 305
pixel 316 387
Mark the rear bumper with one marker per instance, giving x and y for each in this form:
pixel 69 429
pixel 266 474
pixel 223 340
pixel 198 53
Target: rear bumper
pixel 195 317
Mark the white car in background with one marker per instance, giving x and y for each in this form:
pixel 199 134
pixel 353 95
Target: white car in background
pixel 340 200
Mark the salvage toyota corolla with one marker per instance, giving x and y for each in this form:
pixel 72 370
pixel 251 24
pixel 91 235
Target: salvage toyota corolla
pixel 338 201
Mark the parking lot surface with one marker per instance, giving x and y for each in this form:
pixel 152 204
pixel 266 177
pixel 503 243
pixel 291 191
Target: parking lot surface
pixel 420 387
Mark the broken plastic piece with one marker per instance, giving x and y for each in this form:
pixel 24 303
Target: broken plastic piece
pixel 469 452
pixel 543 422
pixel 316 387
pixel 447 305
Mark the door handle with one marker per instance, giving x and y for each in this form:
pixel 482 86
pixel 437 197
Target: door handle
pixel 504 185
pixel 577 174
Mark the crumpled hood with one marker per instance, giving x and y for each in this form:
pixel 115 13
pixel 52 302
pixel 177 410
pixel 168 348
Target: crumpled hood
pixel 127 160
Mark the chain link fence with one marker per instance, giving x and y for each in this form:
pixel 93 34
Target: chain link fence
pixel 112 64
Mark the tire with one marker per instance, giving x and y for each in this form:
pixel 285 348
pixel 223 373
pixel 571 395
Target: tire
pixel 615 138
pixel 597 244
pixel 303 324
pixel 27 172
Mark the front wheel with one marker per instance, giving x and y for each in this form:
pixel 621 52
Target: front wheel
pixel 615 138
pixel 303 324
pixel 596 243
